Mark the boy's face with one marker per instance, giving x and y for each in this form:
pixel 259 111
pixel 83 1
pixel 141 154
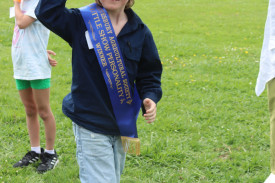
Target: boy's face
pixel 113 5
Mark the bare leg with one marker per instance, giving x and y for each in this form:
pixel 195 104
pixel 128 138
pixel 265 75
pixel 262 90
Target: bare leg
pixel 42 99
pixel 31 116
pixel 271 105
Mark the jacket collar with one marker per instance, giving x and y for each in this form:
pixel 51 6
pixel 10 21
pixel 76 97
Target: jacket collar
pixel 133 23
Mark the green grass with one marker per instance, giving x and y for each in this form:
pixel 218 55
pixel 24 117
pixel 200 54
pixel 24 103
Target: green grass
pixel 211 127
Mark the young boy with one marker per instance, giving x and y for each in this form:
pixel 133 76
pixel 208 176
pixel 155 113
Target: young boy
pixel 32 73
pixel 100 153
pixel 266 77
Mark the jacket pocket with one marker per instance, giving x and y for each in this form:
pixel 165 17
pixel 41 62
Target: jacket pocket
pixel 131 52
pixel 131 60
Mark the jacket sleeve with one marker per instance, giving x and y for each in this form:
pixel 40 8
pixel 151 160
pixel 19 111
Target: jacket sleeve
pixel 55 16
pixel 148 78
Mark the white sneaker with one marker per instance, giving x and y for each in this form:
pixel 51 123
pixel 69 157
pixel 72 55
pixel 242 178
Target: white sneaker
pixel 270 179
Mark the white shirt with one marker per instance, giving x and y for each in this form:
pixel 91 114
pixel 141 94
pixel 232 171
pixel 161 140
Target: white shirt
pixel 267 61
pixel 29 47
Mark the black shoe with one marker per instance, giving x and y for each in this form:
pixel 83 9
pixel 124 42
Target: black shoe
pixel 49 161
pixel 30 158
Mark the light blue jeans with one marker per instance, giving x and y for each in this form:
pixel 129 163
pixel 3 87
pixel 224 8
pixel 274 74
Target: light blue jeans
pixel 100 157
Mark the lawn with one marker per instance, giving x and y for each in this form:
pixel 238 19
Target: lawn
pixel 211 127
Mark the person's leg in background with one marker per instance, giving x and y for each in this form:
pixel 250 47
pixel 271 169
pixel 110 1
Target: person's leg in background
pixel 271 105
pixel 43 107
pixel 26 95
pixel 31 116
pixel 41 93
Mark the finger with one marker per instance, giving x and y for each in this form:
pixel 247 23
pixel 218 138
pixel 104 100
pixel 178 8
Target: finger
pixel 151 121
pixel 53 63
pixel 52 60
pixel 151 110
pixel 151 117
pixel 150 114
pixel 51 52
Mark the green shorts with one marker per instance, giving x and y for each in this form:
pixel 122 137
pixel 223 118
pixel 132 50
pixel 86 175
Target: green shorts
pixel 38 84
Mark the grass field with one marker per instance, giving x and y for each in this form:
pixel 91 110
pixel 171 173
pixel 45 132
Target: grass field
pixel 211 127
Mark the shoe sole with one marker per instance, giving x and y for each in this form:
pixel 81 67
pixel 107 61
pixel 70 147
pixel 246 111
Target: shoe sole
pixel 22 166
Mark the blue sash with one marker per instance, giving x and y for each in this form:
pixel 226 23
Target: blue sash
pixel 126 105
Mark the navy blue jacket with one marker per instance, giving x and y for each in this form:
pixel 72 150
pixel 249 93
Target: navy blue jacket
pixel 89 104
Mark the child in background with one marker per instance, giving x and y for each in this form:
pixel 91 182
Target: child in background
pixel 32 73
pixel 266 77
